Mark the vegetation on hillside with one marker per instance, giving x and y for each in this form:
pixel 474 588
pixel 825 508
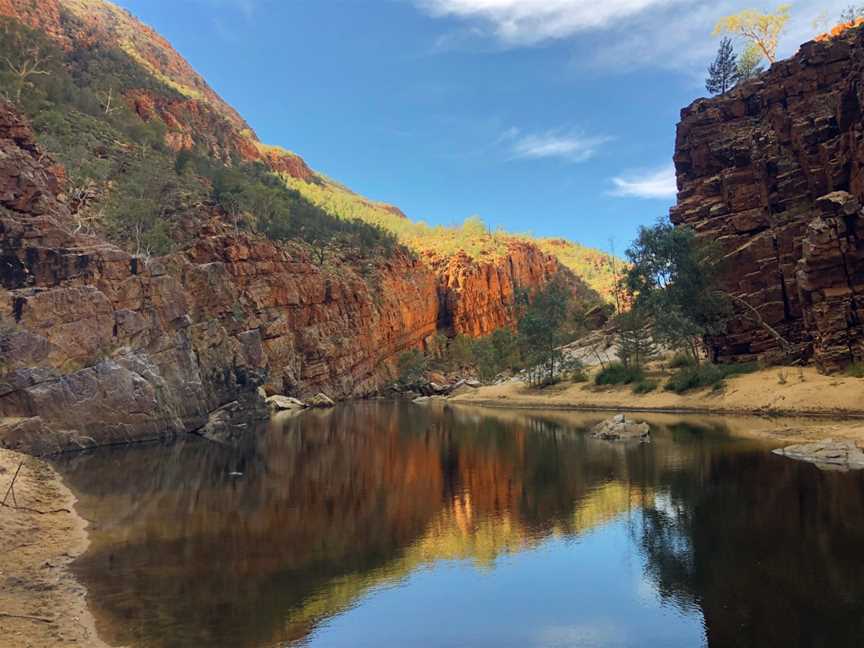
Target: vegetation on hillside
pixel 547 319
pixel 473 236
pixel 125 183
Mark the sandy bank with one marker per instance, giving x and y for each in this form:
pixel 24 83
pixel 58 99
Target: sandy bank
pixel 41 603
pixel 806 395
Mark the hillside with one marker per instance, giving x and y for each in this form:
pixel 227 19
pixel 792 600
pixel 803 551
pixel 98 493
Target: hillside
pixel 158 263
pixel 103 65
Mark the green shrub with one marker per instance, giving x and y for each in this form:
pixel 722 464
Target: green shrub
pixel 412 367
pixel 617 374
pixel 681 360
pixel 706 375
pixel 644 386
pixel 855 370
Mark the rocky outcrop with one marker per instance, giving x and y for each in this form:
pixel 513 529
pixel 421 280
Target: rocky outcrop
pixel 478 297
pixel 100 346
pixel 774 172
pixel 827 454
pixel 621 428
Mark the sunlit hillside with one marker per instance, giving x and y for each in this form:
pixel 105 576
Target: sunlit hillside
pixel 473 236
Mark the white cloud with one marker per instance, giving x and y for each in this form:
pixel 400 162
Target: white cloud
pixel 659 183
pixel 622 34
pixel 526 22
pixel 573 147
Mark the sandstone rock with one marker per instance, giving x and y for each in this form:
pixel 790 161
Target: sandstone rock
pixel 320 400
pixel 827 454
pixel 278 403
pixel 620 428
pixel 771 171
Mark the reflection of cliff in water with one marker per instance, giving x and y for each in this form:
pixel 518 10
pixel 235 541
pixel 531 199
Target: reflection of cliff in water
pixel 331 504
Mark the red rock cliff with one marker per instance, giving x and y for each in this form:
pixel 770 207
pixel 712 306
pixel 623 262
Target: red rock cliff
pixel 773 171
pixel 100 345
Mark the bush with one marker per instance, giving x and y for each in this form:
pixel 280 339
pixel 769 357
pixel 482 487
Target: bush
pixel 707 375
pixel 412 367
pixel 855 370
pixel 681 360
pixel 644 386
pixel 617 374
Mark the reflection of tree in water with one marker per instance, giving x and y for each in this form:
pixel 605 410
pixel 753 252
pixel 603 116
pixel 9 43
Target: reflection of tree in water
pixel 768 548
pixel 331 504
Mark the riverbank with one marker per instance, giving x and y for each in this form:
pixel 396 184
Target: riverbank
pixel 41 602
pixel 804 394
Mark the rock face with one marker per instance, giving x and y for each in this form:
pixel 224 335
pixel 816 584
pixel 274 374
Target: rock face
pixel 479 297
pixel 620 428
pixel 774 172
pixel 827 454
pixel 99 346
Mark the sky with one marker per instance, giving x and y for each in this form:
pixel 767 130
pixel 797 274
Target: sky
pixel 551 117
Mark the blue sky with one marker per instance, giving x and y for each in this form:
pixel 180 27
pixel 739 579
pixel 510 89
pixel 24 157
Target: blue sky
pixel 555 117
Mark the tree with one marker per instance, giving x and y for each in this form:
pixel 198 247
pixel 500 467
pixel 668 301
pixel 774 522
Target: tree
pixel 761 30
pixel 723 72
pixel 412 367
pixel 852 13
pixel 541 329
pixel 27 60
pixel 635 340
pixel 748 64
pixel 674 278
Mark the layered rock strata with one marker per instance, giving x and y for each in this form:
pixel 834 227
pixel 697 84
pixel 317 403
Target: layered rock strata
pixel 772 171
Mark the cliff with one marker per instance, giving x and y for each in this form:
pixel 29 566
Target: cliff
pixel 158 262
pixel 102 346
pixel 772 171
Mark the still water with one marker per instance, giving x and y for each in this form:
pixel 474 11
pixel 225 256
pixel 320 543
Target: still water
pixel 392 524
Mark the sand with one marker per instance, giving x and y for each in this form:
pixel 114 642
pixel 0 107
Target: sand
pixel 804 394
pixel 41 603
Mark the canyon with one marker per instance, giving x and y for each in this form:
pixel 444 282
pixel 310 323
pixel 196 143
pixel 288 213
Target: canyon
pixel 101 345
pixel 772 171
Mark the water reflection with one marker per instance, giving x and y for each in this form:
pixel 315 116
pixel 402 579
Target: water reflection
pixel 382 523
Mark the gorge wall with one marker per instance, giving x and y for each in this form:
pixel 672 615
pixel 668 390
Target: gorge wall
pixel 774 172
pixel 100 346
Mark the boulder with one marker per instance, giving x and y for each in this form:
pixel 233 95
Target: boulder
pixel 827 454
pixel 620 428
pixel 320 400
pixel 278 403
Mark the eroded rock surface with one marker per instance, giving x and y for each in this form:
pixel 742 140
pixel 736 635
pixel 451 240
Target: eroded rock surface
pixel 621 428
pixel 827 454
pixel 773 172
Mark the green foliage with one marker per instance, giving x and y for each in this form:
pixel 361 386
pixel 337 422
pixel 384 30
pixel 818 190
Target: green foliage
pixel 412 367
pixel 635 342
pixel 723 72
pixel 680 360
pixel 617 373
pixel 750 64
pixel 706 375
pixel 855 370
pixel 645 386
pixel 541 328
pixel 674 277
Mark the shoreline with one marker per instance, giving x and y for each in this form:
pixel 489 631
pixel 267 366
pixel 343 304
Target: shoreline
pixel 824 406
pixel 41 603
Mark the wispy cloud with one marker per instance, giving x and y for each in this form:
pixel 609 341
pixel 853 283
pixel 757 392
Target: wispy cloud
pixel 655 184
pixel 620 34
pixel 569 146
pixel 527 22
